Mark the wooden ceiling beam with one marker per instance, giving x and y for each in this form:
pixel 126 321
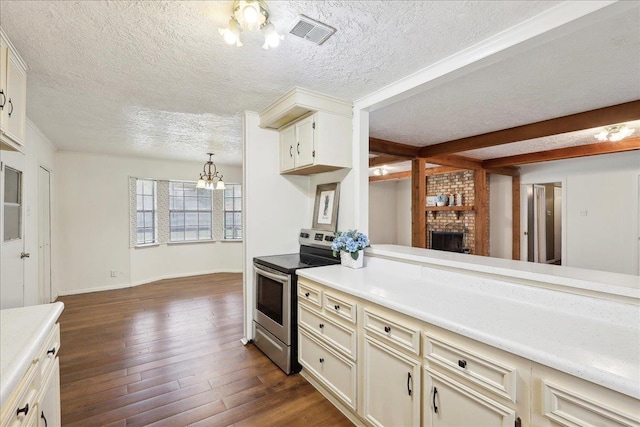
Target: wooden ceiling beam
pixel 381 146
pixel 385 160
pixel 391 176
pixel 574 122
pixel 628 144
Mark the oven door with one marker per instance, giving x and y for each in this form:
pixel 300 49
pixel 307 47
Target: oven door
pixel 273 302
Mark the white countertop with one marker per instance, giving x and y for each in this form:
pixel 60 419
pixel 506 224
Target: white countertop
pixel 22 333
pixel 591 338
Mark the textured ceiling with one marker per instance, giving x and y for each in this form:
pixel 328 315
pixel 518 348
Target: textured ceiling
pixel 591 68
pixel 154 78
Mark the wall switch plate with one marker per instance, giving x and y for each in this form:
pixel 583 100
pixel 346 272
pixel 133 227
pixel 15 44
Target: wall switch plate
pixel 582 212
pixel 114 273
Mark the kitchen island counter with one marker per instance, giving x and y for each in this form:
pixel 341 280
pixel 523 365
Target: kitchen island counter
pixel 586 328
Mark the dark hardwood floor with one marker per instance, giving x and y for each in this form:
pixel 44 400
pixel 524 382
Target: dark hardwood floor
pixel 169 353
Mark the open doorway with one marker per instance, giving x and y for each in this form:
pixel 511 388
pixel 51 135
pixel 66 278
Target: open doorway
pixel 544 222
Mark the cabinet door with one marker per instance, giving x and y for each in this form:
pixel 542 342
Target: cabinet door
pixel 287 147
pixel 3 83
pixel 14 111
pixel 449 403
pixel 305 146
pixel 391 386
pixel 49 405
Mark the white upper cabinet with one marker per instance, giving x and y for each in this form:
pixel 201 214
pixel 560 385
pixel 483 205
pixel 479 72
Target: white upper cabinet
pixel 13 107
pixel 315 131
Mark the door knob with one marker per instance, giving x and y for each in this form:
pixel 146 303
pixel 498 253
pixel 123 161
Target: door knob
pixel 25 255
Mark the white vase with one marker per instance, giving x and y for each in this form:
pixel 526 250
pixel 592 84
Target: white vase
pixel 346 260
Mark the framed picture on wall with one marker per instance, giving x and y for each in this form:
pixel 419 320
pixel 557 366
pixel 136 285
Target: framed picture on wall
pixel 325 210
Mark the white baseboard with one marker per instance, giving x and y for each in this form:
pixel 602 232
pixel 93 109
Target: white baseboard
pixel 141 282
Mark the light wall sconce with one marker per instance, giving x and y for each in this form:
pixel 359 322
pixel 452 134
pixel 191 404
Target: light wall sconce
pixel 208 176
pixel 250 15
pixel 614 133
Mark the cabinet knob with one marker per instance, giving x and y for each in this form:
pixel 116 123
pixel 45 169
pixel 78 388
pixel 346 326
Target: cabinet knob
pixel 24 410
pixel 337 307
pixel 306 294
pixel 322 360
pixel 321 325
pixel 387 329
pixel 462 363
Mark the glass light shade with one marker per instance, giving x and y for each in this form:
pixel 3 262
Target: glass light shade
pixel 377 172
pixel 201 183
pixel 231 34
pixel 251 12
pixel 614 133
pixel 220 185
pixel 271 36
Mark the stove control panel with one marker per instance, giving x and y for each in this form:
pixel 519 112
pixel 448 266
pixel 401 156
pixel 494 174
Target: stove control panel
pixel 316 238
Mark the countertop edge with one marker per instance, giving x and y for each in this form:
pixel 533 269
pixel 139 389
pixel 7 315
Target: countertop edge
pixel 15 370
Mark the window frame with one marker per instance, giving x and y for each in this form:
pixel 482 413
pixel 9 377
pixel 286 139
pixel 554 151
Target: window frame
pixel 198 211
pixel 233 213
pixel 153 211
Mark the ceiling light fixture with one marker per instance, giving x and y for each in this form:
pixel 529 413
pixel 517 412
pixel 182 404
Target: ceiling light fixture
pixel 208 177
pixel 250 15
pixel 380 171
pixel 614 133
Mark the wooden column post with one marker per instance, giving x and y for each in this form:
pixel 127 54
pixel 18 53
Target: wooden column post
pixel 418 204
pixel 482 214
pixel 515 215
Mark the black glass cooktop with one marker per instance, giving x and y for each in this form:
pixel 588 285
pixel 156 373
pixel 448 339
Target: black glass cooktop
pixel 289 263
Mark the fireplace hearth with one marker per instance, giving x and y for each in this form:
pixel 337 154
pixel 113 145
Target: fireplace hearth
pixel 447 241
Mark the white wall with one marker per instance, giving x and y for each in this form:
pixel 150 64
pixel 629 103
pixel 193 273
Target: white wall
pixel 383 212
pixel 275 207
pixel 92 222
pixel 604 187
pixel 403 214
pixel 500 216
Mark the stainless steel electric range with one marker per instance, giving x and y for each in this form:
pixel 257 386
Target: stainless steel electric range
pixel 276 292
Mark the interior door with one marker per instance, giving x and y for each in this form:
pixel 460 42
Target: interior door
pixel 44 235
pixel 12 218
pixel 540 225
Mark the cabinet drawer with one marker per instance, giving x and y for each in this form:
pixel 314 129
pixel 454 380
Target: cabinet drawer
pixel 568 408
pixel 309 294
pixel 23 399
pixel 336 372
pixel 486 373
pixel 392 331
pixel 340 307
pixel 341 337
pixel 49 350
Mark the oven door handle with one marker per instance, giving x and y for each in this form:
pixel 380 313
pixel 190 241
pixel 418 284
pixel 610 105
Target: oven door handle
pixel 272 274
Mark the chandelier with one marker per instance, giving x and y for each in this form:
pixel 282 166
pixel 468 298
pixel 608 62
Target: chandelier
pixel 614 133
pixel 208 177
pixel 250 15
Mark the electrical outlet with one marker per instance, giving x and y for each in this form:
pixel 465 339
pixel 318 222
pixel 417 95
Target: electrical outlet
pixel 582 212
pixel 114 273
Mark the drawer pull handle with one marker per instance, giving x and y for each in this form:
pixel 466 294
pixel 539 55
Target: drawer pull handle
pixel 291 151
pixel 44 418
pixel 11 105
pixel 409 383
pixel 4 99
pixel 321 325
pixel 52 351
pixel 462 363
pixel 337 307
pixel 306 294
pixel 387 329
pixel 321 360
pixel 24 410
pixel 435 393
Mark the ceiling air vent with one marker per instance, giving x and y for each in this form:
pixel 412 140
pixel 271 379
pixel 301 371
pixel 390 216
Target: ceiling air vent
pixel 311 30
